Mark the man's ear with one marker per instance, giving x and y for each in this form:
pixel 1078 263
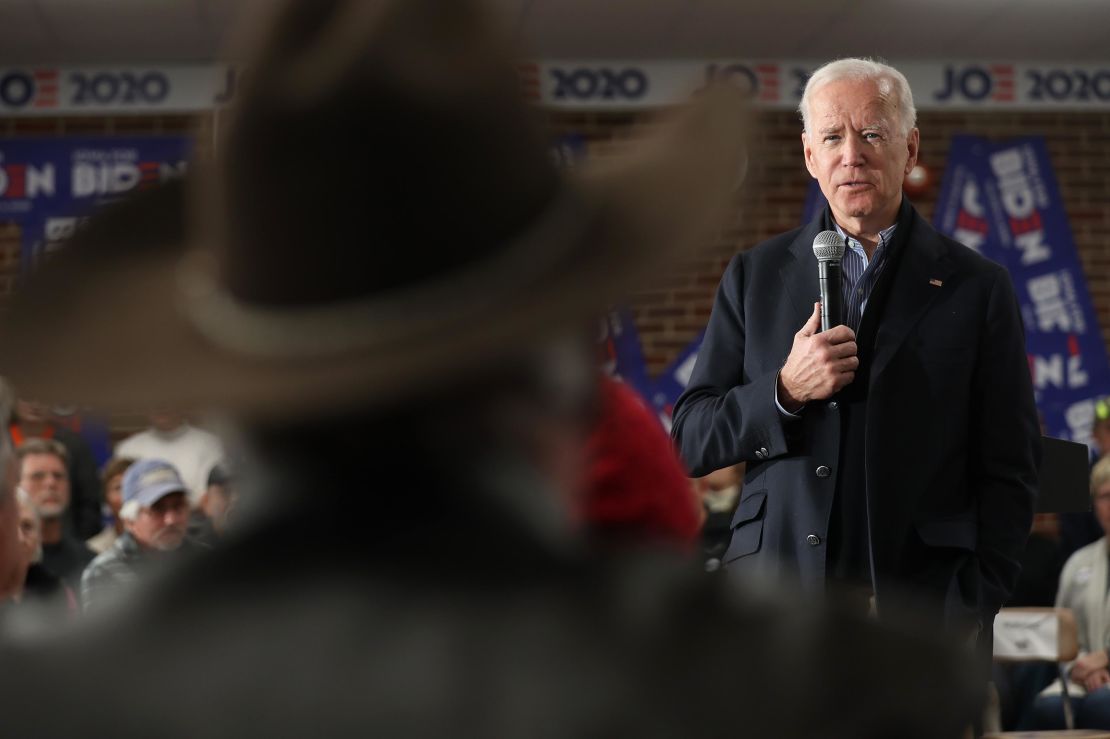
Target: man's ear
pixel 913 147
pixel 807 153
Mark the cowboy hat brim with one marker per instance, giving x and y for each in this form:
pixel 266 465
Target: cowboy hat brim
pixel 154 327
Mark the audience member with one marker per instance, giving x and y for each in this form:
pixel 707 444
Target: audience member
pixel 32 420
pixel 112 478
pixel 636 487
pixel 397 357
pixel 155 513
pixel 192 451
pixel 719 491
pixel 1084 589
pixel 11 552
pixel 1077 530
pixel 43 474
pixel 208 521
pixel 41 590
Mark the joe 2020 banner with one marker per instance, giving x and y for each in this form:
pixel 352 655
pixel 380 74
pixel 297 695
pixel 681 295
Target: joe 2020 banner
pixel 1002 200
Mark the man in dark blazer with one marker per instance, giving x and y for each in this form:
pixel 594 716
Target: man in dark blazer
pixel 895 456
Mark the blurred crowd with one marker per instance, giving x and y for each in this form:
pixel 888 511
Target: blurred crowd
pixel 89 532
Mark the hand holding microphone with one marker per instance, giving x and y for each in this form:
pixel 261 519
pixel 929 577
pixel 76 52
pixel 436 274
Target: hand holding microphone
pixel 823 358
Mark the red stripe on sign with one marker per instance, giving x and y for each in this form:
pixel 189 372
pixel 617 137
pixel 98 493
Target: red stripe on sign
pixel 148 165
pixel 767 68
pixel 44 75
pixel 1073 345
pixel 1006 83
pixel 1007 69
pixel 16 180
pixel 47 88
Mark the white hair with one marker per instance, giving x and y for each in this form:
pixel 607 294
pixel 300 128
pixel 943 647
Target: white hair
pixel 130 510
pixel 891 83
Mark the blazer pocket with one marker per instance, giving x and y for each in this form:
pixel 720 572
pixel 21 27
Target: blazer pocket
pixel 957 533
pixel 747 527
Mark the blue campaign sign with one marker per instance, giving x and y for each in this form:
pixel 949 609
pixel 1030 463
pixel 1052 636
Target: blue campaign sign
pixel 1002 199
pixel 622 354
pixel 48 184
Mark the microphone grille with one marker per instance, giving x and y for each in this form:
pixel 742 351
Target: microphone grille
pixel 828 246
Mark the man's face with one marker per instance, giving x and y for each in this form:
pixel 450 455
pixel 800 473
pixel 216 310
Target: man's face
pixel 1102 507
pixel 31 411
pixel 12 566
pixel 858 153
pixel 166 420
pixel 45 479
pixel 215 504
pixel 1101 436
pixel 162 525
pixel 30 533
pixel 113 493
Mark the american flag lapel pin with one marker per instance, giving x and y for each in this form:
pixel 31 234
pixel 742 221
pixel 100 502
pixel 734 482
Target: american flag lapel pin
pixel 935 282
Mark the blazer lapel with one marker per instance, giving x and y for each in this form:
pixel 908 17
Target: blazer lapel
pixel 919 280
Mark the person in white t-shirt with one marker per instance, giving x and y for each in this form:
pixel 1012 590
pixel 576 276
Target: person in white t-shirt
pixel 194 452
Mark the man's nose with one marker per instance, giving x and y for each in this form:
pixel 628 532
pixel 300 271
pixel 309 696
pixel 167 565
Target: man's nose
pixel 852 152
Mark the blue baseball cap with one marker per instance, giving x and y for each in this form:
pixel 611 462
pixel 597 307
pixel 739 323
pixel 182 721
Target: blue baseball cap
pixel 149 480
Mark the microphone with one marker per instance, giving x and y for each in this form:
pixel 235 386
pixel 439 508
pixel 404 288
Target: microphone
pixel 828 247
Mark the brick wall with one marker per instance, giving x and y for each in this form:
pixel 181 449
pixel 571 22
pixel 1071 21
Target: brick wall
pixel 672 312
pixel 669 316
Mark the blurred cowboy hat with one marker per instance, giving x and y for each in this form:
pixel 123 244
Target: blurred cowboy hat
pixel 381 215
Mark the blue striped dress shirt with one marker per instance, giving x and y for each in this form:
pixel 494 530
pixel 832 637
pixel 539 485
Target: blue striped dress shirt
pixel 859 274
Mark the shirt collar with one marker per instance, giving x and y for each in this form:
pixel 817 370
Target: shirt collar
pixel 854 243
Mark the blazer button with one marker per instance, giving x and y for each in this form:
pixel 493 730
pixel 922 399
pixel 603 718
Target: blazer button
pixel 813 540
pixel 823 471
pixel 759 454
pixel 763 452
pixel 833 405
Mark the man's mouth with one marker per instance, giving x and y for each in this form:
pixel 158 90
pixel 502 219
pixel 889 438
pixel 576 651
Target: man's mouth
pixel 854 185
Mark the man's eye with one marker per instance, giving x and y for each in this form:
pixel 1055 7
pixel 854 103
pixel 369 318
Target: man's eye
pixel 831 138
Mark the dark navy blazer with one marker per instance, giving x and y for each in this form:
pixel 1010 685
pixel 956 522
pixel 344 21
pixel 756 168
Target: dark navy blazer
pixel 952 440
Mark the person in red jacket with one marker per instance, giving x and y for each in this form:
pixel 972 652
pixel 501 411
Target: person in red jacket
pixel 637 490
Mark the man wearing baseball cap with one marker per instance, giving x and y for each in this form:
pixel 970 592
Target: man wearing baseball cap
pixel 155 513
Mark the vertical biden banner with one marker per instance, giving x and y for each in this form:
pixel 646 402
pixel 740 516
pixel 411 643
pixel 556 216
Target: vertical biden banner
pixel 1002 200
pixel 48 185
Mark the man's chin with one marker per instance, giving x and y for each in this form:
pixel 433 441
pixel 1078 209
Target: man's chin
pixel 169 543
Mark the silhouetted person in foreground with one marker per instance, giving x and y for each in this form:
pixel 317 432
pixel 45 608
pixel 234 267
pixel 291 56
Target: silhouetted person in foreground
pixel 390 308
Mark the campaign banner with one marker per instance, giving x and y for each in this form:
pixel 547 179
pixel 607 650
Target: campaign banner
pixel 48 184
pixel 1002 199
pixel 778 83
pixel 43 90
